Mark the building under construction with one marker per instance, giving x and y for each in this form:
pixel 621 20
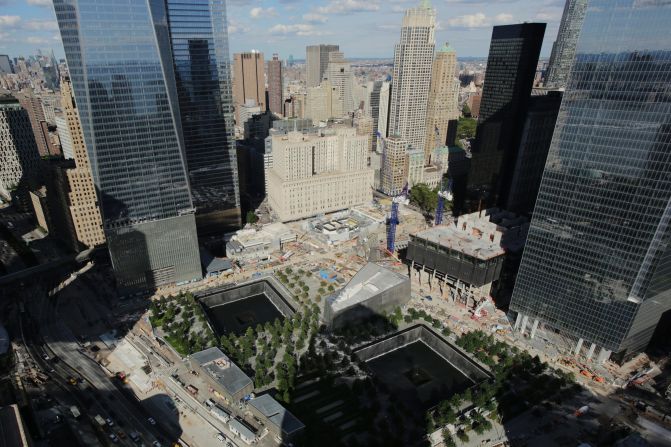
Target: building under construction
pixel 461 260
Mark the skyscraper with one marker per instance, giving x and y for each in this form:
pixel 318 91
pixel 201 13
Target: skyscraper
pixel 339 73
pixel 275 85
pixel 563 50
pixel 18 152
pixel 249 83
pixel 378 108
pixel 597 262
pixel 511 67
pixel 6 65
pixel 82 199
pixel 443 104
pixel 126 94
pixel 539 125
pixel 394 166
pixel 317 60
pixel 413 61
pixel 33 106
pixel 319 102
pixel 203 77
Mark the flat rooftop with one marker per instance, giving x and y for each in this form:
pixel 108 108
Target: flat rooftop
pixel 370 281
pixel 449 237
pixel 242 429
pixel 483 236
pixel 277 414
pixel 222 369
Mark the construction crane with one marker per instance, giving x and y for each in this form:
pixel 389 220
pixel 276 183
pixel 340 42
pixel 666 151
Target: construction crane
pixel 393 221
pixel 443 195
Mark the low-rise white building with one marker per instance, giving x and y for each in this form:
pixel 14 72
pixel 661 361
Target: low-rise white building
pixel 251 245
pixel 318 174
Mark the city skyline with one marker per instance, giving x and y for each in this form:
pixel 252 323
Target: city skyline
pixel 288 26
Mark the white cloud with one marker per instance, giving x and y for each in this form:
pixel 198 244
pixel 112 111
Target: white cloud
pixel 40 25
pixel 315 18
pixel 39 2
pixel 547 16
pixel 258 12
pixel 479 20
pixel 7 21
pixel 235 27
pixel 348 6
pixel 298 29
pixel 503 18
pixel 37 40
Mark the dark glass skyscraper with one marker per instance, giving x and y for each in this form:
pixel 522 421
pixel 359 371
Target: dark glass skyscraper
pixel 597 264
pixel 511 67
pixel 199 46
pixel 121 69
pixel 539 126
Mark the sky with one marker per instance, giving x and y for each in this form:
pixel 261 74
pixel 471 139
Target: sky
pixel 362 28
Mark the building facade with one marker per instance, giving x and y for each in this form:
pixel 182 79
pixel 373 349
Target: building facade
pixel 127 100
pixel 378 109
pixel 597 262
pixel 249 83
pixel 364 126
pixel 275 86
pixel 18 152
pixel 6 66
pixel 443 104
pixel 373 291
pixel 64 136
pixel 319 102
pixel 317 60
pixel 38 122
pixel 339 74
pixel 318 174
pixel 80 193
pixel 511 67
pixel 539 126
pixel 465 258
pixel 394 166
pixel 200 57
pixel 413 62
pixel 563 50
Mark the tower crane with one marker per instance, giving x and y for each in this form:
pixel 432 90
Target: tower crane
pixel 393 221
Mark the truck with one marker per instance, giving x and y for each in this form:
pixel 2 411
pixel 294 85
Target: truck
pixel 75 412
pixel 220 413
pixel 100 421
pixel 192 389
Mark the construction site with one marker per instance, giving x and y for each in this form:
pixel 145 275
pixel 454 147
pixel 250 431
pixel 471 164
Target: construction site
pixel 461 260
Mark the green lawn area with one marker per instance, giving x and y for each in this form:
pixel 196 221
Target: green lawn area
pixel 179 345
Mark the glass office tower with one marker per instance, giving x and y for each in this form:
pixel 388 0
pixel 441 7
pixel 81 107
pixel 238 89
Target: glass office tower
pixel 597 264
pixel 124 85
pixel 563 50
pixel 199 45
